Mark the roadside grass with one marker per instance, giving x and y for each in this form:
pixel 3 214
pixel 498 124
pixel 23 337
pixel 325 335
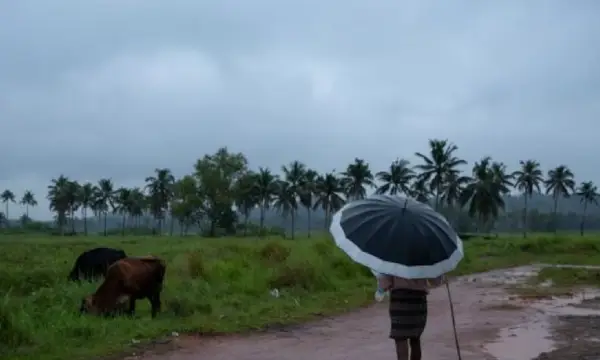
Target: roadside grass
pixel 557 282
pixel 213 286
pixel 573 277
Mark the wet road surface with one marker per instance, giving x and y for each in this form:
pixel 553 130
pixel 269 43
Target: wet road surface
pixel 481 314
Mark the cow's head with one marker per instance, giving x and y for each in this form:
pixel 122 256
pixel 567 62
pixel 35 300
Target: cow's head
pixel 88 305
pixel 73 276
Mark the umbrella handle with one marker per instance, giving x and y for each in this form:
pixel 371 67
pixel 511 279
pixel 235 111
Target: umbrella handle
pixel 453 321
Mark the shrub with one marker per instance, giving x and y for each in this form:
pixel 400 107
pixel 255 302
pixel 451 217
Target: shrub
pixel 324 248
pixel 301 275
pixel 11 334
pixel 275 251
pixel 196 265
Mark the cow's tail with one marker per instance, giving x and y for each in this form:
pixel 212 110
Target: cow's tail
pixel 160 273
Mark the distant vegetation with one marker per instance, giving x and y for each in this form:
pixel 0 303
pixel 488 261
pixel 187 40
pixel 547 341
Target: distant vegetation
pixel 224 196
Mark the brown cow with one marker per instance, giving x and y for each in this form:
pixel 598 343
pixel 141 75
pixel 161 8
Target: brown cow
pixel 130 279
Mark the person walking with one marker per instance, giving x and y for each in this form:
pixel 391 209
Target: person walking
pixel 408 311
pixel 410 242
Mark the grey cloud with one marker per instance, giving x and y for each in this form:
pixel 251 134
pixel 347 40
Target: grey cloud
pixel 116 89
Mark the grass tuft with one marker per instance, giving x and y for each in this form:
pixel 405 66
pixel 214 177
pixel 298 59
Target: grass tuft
pixel 196 265
pixel 275 252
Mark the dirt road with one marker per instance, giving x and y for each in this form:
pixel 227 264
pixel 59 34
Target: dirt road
pixel 480 313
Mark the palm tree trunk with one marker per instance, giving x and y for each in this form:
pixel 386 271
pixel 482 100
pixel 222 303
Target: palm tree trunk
pixel 262 218
pixel 98 220
pixel 582 226
pixel 525 209
pixel 73 220
pixel 213 227
pixel 172 225
pixel 27 210
pixel 246 219
pixel 555 215
pixel 293 223
pixel 308 215
pixel 85 229
pixel 123 224
pixel 61 221
pixel 105 216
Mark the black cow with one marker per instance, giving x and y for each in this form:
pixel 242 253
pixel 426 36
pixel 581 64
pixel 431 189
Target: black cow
pixel 92 264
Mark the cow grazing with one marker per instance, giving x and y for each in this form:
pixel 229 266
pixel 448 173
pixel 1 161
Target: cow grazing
pixel 93 264
pixel 131 279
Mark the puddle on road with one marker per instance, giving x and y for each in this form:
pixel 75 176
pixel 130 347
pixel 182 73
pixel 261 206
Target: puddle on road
pixel 529 340
pixel 569 305
pixel 519 275
pixel 522 342
pixel 503 277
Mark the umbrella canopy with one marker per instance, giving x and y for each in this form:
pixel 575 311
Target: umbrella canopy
pixel 398 236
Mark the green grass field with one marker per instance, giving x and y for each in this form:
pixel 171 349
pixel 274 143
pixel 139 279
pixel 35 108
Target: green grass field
pixel 212 286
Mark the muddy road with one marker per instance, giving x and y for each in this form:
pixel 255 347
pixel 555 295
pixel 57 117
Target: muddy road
pixel 492 325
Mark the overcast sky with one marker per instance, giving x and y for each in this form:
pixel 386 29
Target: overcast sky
pixel 101 88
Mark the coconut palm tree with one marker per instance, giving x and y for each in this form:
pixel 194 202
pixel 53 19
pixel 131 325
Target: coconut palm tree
pixel 122 201
pixel 483 195
pixel 7 197
pixel 560 183
pixel 138 205
pixel 266 186
pixel 307 195
pixel 357 176
pixel 160 188
pixel 72 197
pixel 397 179
pixel 246 196
pixel 286 201
pixel 437 165
pixel 86 200
pixel 527 179
pixel 329 195
pixel 588 193
pixel 293 175
pixel 105 198
pixel 454 185
pixel 420 190
pixel 28 200
pixel 59 200
pixel 501 177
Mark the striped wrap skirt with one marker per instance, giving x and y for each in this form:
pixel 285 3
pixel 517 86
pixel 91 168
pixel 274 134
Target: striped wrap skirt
pixel 408 313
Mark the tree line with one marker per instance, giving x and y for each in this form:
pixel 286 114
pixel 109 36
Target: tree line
pixel 223 191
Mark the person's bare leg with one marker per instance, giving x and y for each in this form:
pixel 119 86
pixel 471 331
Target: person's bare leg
pixel 415 348
pixel 402 349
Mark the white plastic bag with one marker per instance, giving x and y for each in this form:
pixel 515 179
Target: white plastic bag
pixel 380 293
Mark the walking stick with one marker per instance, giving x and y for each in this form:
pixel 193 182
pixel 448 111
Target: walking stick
pixel 453 321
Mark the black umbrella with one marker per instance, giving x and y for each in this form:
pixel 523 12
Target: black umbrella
pixel 398 236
